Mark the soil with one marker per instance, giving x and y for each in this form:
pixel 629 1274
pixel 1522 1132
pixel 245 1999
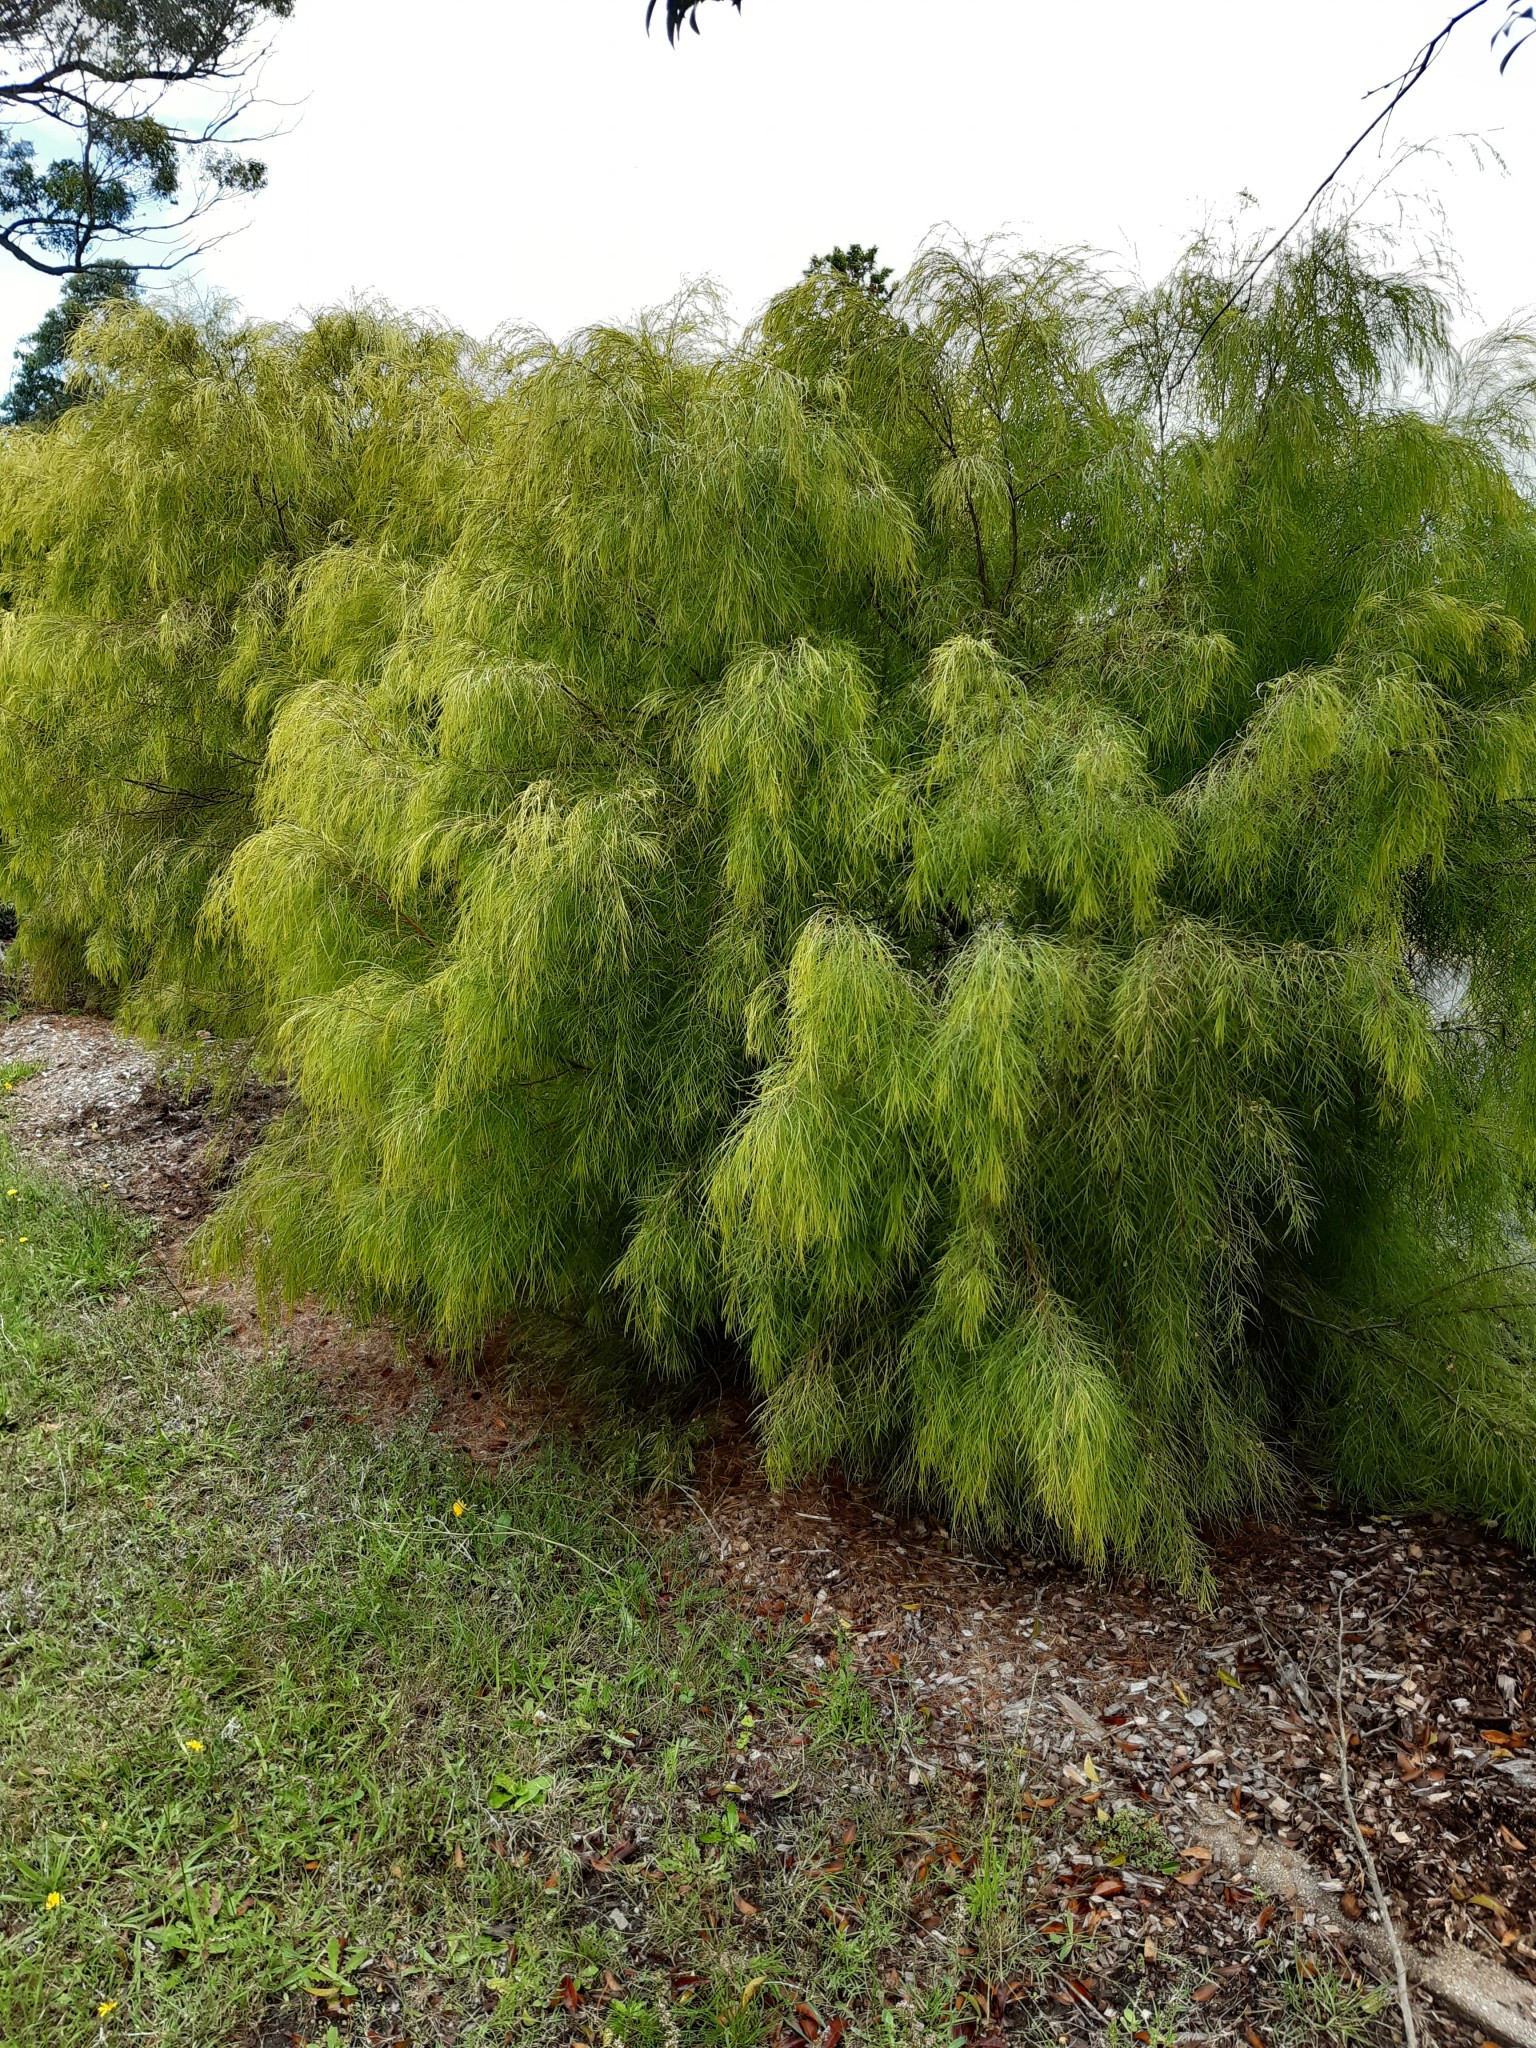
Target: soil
pixel 1418 1632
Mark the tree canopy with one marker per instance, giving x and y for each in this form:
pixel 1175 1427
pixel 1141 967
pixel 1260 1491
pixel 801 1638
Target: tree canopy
pixel 854 265
pixel 138 105
pixel 43 386
pixel 949 852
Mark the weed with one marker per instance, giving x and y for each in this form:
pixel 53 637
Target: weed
pixel 1139 1840
pixel 1321 2006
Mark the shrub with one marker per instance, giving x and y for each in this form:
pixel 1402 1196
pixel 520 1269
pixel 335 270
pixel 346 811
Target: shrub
pixel 966 846
pixel 154 549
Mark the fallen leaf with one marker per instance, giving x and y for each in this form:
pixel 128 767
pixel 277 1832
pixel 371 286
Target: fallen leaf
pixel 745 1907
pixel 1206 1991
pixel 751 1991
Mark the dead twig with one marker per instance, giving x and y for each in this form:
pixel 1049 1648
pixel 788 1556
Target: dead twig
pixel 1389 1926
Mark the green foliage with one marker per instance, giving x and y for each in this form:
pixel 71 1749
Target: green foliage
pixel 857 266
pixel 1137 1839
pixel 42 387
pixel 152 550
pixel 963 847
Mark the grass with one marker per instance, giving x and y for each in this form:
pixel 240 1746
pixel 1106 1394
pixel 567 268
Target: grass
pixel 308 1737
pixel 302 1728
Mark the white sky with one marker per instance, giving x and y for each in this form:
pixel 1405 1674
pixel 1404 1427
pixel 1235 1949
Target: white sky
pixel 540 160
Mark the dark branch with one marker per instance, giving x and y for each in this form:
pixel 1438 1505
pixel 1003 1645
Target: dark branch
pixel 681 14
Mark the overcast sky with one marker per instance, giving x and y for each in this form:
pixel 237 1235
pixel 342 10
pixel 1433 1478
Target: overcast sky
pixel 495 160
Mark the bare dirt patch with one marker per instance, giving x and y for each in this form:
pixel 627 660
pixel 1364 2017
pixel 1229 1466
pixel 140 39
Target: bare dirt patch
pixel 110 1114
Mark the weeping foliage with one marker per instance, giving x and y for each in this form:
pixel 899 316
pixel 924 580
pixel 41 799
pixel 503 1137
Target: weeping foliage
pixel 965 848
pixel 153 552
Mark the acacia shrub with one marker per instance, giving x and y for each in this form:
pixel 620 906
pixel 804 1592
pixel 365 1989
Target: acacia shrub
pixel 922 844
pixel 156 547
pixel 962 844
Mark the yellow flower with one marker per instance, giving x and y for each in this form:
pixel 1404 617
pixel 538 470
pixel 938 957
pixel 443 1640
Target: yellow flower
pixel 107 2005
pixel 458 1507
pixel 11 1194
pixel 53 1902
pixel 193 1744
pixel 21 1240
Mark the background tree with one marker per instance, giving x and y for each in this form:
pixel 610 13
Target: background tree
pixel 43 386
pixel 119 120
pixel 856 266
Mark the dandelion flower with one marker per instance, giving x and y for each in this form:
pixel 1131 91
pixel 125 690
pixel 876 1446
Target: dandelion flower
pixel 53 1902
pixel 458 1507
pixel 106 2006
pixel 193 1744
pixel 10 1194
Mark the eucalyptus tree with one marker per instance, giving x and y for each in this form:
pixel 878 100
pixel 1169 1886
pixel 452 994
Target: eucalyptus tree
pixel 120 123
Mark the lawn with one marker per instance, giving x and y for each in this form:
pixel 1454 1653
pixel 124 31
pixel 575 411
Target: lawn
pixel 311 1736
